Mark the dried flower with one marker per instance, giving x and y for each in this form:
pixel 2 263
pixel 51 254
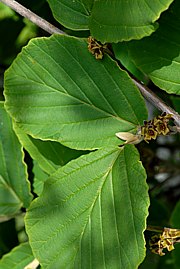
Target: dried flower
pixel 162 128
pixel 156 126
pixel 164 117
pixel 150 130
pixel 161 123
pixel 166 240
pixel 96 48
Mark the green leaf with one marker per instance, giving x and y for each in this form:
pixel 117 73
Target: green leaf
pixel 14 186
pixel 57 90
pixel 72 14
pixel 119 20
pixel 9 201
pixel 110 20
pixel 95 204
pixel 50 155
pixel 175 221
pixel 39 178
pixel 18 258
pixel 126 60
pixel 159 55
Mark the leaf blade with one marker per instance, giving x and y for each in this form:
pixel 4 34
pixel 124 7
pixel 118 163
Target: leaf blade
pixel 110 20
pixel 72 14
pixel 9 201
pixel 158 56
pixel 13 169
pixel 50 155
pixel 74 193
pixel 53 100
pixel 17 258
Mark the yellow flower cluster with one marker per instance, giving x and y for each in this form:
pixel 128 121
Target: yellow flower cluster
pixel 157 126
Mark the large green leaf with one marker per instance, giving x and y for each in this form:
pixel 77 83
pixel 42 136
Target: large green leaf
pixel 57 90
pixel 14 187
pixel 110 20
pixel 92 213
pixel 50 155
pixel 175 221
pixel 118 20
pixel 72 14
pixel 18 258
pixel 159 55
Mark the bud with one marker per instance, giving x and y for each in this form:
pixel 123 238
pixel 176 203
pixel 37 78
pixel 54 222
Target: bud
pixel 129 137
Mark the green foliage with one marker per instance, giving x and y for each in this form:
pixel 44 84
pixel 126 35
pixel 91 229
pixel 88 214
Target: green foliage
pixel 158 55
pixel 62 110
pixel 72 14
pixel 39 178
pixel 18 258
pixel 85 212
pixel 108 26
pixel 14 187
pixel 110 20
pixel 68 97
pixel 49 155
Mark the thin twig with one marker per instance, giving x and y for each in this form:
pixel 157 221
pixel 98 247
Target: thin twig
pixel 157 102
pixel 51 29
pixel 45 25
pixel 155 229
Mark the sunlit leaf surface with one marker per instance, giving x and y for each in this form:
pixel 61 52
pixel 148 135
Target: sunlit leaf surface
pixel 57 90
pixel 92 213
pixel 18 258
